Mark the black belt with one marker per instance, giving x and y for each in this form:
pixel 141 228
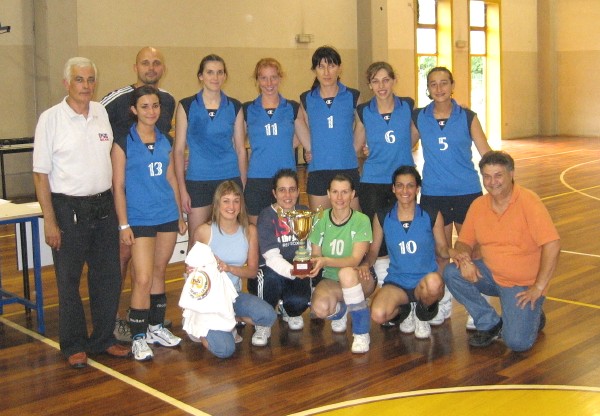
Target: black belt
pixel 83 198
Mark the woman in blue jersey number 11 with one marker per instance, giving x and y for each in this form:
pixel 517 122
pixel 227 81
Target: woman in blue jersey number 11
pixel 274 130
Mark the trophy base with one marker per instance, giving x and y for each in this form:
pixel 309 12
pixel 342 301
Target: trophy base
pixel 302 268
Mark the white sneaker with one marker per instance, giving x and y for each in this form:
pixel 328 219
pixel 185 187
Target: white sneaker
pixel 340 325
pixel 471 323
pixel 444 309
pixel 422 329
pixel 295 323
pixel 361 342
pixel 141 351
pixel 408 325
pixel 158 334
pixel 237 338
pixel 444 312
pixel 261 336
pixel 439 318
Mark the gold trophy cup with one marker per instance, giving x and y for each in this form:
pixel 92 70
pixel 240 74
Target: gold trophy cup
pixel 301 223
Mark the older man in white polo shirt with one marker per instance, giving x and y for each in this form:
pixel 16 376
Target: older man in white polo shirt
pixel 72 175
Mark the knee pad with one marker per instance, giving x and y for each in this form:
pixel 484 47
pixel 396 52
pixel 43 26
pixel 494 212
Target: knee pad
pixel 339 313
pixel 403 313
pixel 426 313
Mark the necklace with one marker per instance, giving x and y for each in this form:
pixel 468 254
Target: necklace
pixel 335 219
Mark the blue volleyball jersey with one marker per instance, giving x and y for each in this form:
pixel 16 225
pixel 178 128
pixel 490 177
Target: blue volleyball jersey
pixel 448 168
pixel 389 141
pixel 271 137
pixel 212 154
pixel 331 129
pixel 412 252
pixel 149 195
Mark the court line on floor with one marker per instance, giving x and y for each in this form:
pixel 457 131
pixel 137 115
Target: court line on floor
pixel 573 302
pixel 579 191
pixel 551 154
pixel 55 305
pixel 110 372
pixel 428 392
pixel 564 182
pixel 580 254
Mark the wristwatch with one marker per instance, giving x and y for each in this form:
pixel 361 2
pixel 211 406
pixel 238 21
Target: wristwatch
pixel 123 227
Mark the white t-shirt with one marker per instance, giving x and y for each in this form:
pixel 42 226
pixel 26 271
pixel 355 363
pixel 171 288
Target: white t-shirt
pixel 74 151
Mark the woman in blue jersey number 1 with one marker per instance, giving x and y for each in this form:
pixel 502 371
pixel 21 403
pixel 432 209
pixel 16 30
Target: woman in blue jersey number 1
pixel 211 125
pixel 149 212
pixel 274 130
pixel 339 241
pixel 329 111
pixel 450 181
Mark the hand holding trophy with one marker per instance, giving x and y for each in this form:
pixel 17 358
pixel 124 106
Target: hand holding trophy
pixel 301 223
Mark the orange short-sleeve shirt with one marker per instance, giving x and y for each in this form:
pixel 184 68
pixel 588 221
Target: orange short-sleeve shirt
pixel 511 243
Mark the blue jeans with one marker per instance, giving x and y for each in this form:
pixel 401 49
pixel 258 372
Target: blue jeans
pixel 221 343
pixel 272 287
pixel 519 326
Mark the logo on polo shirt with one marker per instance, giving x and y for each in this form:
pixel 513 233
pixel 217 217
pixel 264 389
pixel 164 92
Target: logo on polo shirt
pixel 103 137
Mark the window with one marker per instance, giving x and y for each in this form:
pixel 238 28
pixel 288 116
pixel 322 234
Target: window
pixel 427 46
pixel 478 58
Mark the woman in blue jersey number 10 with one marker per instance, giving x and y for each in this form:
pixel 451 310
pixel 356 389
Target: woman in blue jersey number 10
pixel 413 236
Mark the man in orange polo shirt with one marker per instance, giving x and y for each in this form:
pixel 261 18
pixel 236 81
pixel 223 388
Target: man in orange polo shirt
pixel 519 252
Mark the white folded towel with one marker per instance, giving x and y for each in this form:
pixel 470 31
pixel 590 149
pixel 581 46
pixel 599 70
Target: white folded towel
pixel 207 296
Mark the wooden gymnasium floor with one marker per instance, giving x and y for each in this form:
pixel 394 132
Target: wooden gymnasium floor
pixel 314 369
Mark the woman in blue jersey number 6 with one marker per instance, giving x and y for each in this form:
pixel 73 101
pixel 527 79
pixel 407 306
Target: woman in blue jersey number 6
pixel 384 126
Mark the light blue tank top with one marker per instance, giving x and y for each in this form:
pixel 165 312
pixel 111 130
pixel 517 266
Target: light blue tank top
pixel 230 248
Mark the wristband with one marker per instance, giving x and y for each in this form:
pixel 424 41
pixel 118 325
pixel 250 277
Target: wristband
pixel 123 227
